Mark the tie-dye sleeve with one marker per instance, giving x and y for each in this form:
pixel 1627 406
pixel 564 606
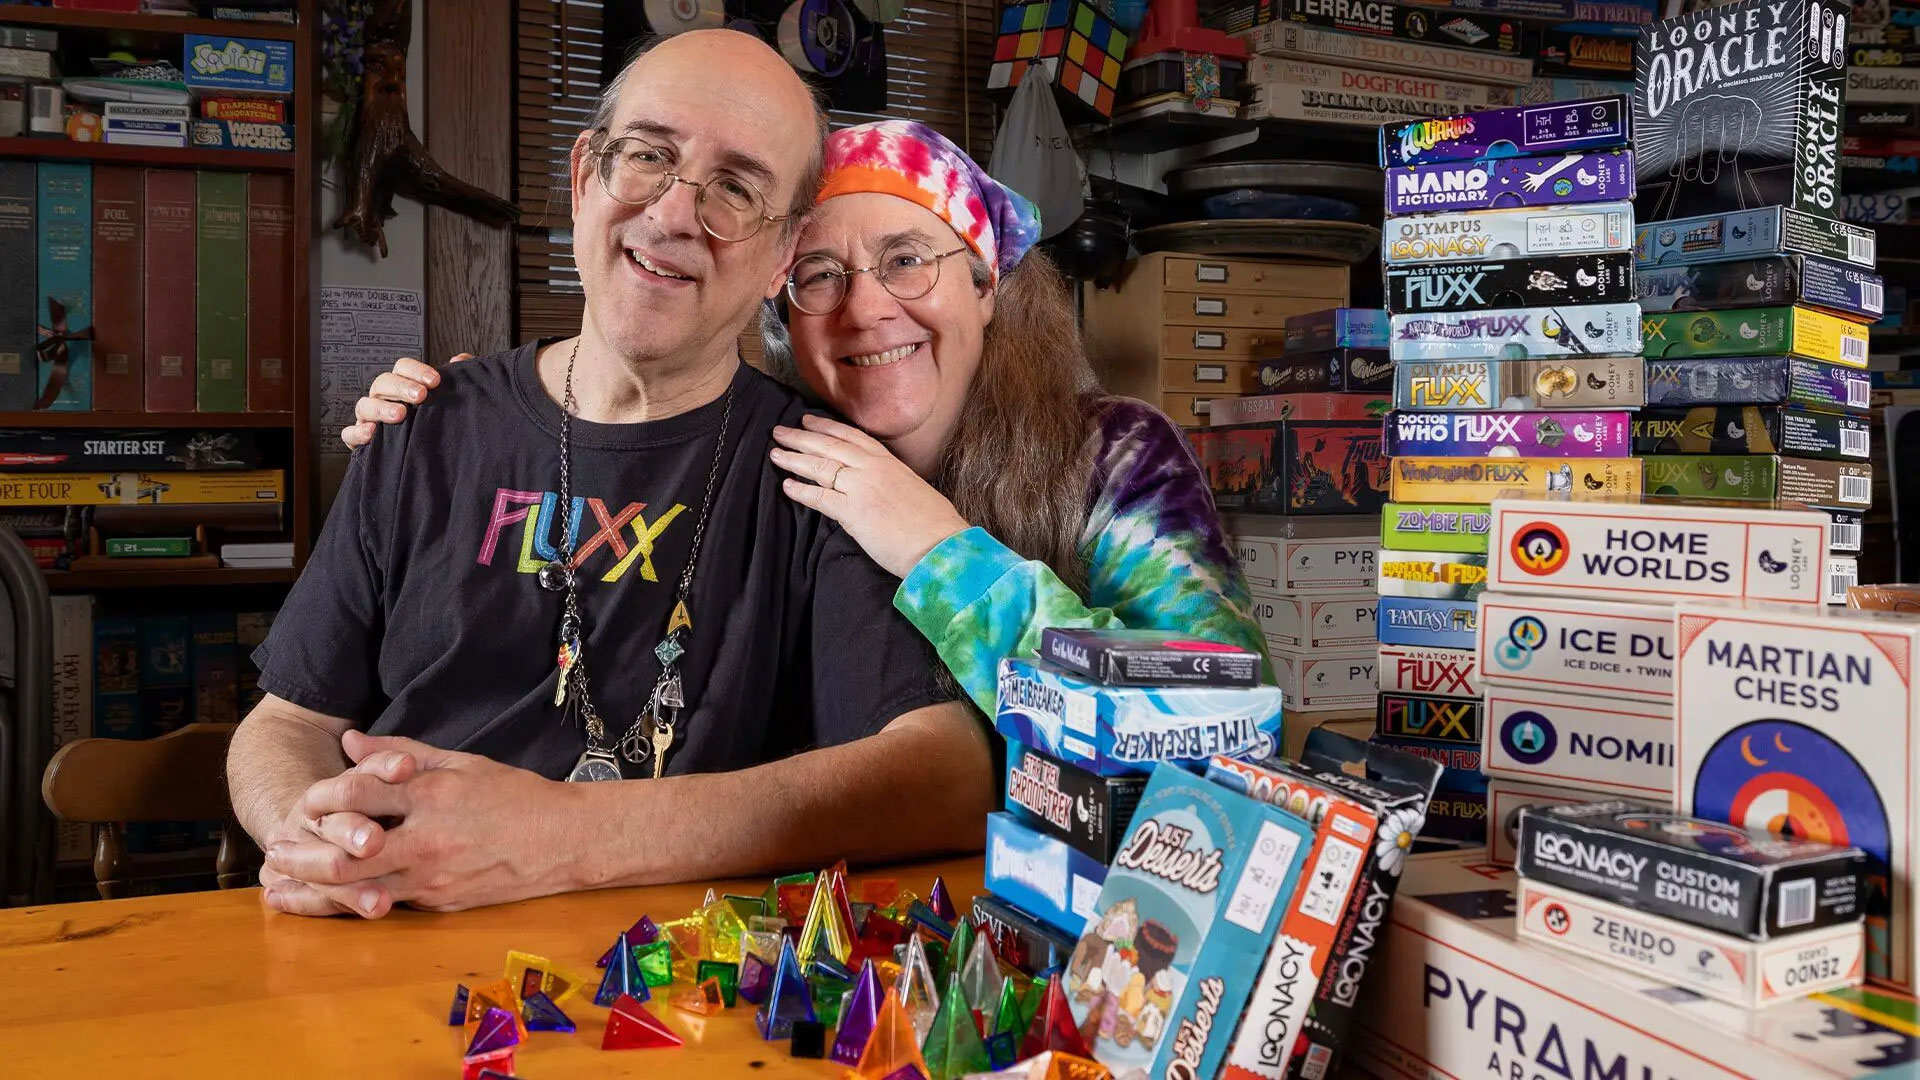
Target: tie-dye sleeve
pixel 1155 554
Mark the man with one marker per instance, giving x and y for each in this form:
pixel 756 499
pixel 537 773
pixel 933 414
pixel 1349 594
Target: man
pixel 705 625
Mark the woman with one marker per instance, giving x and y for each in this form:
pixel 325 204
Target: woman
pixel 983 465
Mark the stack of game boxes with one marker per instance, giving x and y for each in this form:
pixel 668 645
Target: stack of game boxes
pixel 1757 296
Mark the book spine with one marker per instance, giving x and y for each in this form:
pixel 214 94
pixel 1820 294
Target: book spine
pixel 25 37
pixel 269 292
pixel 118 316
pixel 72 700
pixel 169 268
pixel 166 704
pixel 20 269
pixel 149 547
pixel 216 697
pixel 116 678
pixel 221 312
pixel 65 296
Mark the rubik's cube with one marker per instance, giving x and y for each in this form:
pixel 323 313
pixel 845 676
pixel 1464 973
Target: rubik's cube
pixel 1074 43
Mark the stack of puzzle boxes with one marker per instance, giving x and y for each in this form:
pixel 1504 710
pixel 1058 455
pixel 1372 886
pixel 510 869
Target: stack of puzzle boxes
pixel 1515 343
pixel 1756 296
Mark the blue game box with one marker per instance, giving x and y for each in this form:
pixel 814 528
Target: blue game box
pixel 1421 623
pixel 1040 875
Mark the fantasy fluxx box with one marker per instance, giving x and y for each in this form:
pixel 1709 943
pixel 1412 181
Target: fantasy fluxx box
pixel 1605 278
pixel 1438 624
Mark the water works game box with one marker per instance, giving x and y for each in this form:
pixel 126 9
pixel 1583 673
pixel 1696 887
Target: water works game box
pixel 1041 874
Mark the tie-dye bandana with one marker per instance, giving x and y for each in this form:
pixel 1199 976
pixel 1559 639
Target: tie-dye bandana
pixel 916 163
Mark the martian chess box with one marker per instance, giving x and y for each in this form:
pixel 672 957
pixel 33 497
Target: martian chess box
pixel 1839 485
pixel 1296 467
pixel 1491 235
pixel 1788 331
pixel 1749 883
pixel 1089 812
pixel 1750 429
pixel 1339 370
pixel 1560 127
pixel 1148 658
pixel 1764 282
pixel 1736 234
pixel 1461 385
pixel 1756 380
pixel 1606 278
pixel 1499 183
pixel 1482 480
pixel 1739 106
pixel 1526 434
pixel 1538 333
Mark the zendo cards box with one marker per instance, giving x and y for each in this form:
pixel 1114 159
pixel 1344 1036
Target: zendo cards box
pixel 1519 333
pixel 1041 874
pixel 1458 385
pixel 1494 433
pixel 1597 124
pixel 1089 812
pixel 1785 331
pixel 1436 527
pixel 1148 658
pixel 1475 480
pixel 1605 278
pixel 1499 183
pixel 1448 673
pixel 1764 282
pixel 1118 730
pixel 1756 380
pixel 1750 429
pixel 1602 746
pixel 1508 234
pixel 1601 648
pixel 1735 234
pixel 1295 467
pixel 1194 896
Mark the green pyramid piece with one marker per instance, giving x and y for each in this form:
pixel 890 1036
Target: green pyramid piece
pixel 952 1046
pixel 958 948
pixel 654 961
pixel 980 977
pixel 1018 1003
pixel 728 975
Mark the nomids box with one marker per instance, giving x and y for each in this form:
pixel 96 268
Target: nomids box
pixel 1598 745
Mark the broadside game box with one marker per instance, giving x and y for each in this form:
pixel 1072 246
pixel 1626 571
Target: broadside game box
pixel 1436 527
pixel 1787 331
pixel 1599 648
pixel 1295 467
pixel 1041 874
pixel 1598 745
pixel 1484 434
pixel 1487 479
pixel 1499 183
pixel 1088 812
pixel 1756 380
pixel 1519 334
pixel 1148 658
pixel 1597 124
pixel 1750 429
pixel 1459 385
pixel 1447 673
pixel 1508 234
pixel 1765 282
pixel 1606 278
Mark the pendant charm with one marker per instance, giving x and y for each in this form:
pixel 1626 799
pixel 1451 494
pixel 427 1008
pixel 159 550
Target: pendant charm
pixel 679 619
pixel 671 694
pixel 569 655
pixel 594 764
pixel 668 650
pixel 662 742
pixel 553 576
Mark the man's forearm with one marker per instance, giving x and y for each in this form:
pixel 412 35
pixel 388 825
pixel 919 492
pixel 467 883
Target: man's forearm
pixel 273 759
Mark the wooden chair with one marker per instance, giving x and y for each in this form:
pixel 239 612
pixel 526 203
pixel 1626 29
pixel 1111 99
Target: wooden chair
pixel 180 776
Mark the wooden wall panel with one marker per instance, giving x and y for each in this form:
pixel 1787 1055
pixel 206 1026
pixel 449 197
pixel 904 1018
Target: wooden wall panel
pixel 470 126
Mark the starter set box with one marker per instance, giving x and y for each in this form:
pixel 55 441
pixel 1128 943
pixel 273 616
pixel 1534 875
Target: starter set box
pixel 1491 235
pixel 1500 183
pixel 1527 434
pixel 1295 467
pixel 1460 385
pixel 1520 334
pixel 1148 658
pixel 1420 716
pixel 1756 380
pixel 1739 106
pixel 1041 874
pixel 1793 331
pixel 1436 527
pixel 1658 552
pixel 1088 812
pixel 1603 648
pixel 1303 564
pixel 1474 480
pixel 1806 721
pixel 1840 485
pixel 1606 278
pixel 24 451
pixel 1599 745
pixel 1437 624
pixel 1437 574
pixel 1765 282
pixel 1597 124
pixel 1734 234
pixel 1749 429
pixel 1315 621
pixel 1447 673
pixel 1459 30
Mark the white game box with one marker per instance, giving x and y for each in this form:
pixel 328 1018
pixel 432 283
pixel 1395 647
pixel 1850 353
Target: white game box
pixel 1594 647
pixel 1326 680
pixel 1506 797
pixel 1419 669
pixel 1317 620
pixel 1602 746
pixel 1277 564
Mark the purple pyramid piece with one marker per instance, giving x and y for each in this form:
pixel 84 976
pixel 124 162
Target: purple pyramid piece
pixel 906 1072
pixel 543 1015
pixel 497 1031
pixel 940 902
pixel 457 1015
pixel 642 932
pixel 858 1018
pixel 756 977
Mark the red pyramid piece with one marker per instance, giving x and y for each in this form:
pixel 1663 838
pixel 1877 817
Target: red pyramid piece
pixel 631 1027
pixel 1053 1027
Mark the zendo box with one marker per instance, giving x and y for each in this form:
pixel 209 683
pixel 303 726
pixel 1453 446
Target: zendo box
pixel 1296 467
pixel 1169 959
pixel 1598 745
pixel 1597 124
pixel 1605 278
pixel 1120 657
pixel 1805 720
pixel 1499 434
pixel 1436 527
pixel 1040 874
pixel 1597 647
pixel 1407 669
pixel 1067 803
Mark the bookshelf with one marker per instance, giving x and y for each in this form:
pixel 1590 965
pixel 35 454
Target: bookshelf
pixel 113 154
pixel 145 24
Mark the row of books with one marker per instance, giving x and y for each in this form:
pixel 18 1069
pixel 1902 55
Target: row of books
pixel 129 289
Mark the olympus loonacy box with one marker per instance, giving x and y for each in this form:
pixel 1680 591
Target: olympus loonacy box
pixel 1508 234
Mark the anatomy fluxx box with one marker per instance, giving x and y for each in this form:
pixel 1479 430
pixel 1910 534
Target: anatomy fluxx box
pixel 1598 745
pixel 1407 669
pixel 1595 647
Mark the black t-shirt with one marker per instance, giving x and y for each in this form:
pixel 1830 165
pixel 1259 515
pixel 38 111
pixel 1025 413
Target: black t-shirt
pixel 420 612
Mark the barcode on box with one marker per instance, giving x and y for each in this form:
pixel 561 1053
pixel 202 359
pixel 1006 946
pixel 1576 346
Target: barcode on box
pixel 1858 394
pixel 1860 249
pixel 1856 489
pixel 1842 574
pixel 1855 442
pixel 1853 350
pixel 1796 903
pixel 1846 535
pixel 1873 297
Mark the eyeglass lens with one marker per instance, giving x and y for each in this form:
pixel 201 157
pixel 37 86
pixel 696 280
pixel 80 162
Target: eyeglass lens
pixel 635 172
pixel 907 269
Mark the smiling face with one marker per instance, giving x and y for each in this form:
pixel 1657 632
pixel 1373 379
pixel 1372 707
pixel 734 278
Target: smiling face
pixel 901 369
pixel 658 286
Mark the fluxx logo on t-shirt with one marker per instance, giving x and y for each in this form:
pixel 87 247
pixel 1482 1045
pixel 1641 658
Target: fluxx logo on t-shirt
pixel 535 511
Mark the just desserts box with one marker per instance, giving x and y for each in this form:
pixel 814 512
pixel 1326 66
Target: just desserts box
pixel 1459 385
pixel 1486 235
pixel 1495 433
pixel 1601 648
pixel 1486 479
pixel 1538 333
pixel 1501 183
pixel 1756 380
pixel 1605 278
pixel 1436 527
pixel 1596 124
pixel 1448 673
pixel 1595 745
pixel 1777 331
pixel 1749 429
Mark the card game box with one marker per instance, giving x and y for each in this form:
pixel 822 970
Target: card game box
pixel 1337 328
pixel 1323 93
pixel 1436 527
pixel 24 450
pixel 1437 574
pixel 1478 480
pixel 1299 467
pixel 1756 380
pixel 1601 51
pixel 1088 812
pixel 1148 658
pixel 1320 47
pixel 1560 127
pixel 1436 624
pixel 1764 282
pixel 1427 672
pixel 1738 234
pixel 1325 680
pixel 1439 719
pixel 1500 183
pixel 234 63
pixel 1739 107
pixel 1882 86
pixel 1455 820
pixel 1459 765
pixel 1405 22
pixel 1460 385
pixel 1761 477
pixel 1657 553
pixel 1268 408
pixel 1271 559
pixel 1494 433
pixel 1843 573
pixel 1605 278
pixel 1749 429
pixel 1519 333
pixel 142 488
pixel 1847 529
pixel 1315 620
pixel 1493 235
pixel 1600 648
pixel 1041 875
pixel 1750 883
pixel 1340 370
pixel 1805 332
pixel 1900 206
pixel 1600 745
pixel 1169 960
pixel 1505 797
pixel 241 135
pixel 1019 938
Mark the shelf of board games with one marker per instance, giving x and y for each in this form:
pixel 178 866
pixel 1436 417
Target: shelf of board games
pixel 63 581
pixel 142 23
pixel 48 418
pixel 184 157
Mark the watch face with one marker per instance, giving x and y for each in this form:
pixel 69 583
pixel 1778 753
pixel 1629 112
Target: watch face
pixel 593 767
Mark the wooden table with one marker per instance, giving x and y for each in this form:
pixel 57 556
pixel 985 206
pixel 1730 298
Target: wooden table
pixel 211 984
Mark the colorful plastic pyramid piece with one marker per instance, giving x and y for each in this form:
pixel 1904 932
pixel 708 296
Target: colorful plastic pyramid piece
pixel 498 1030
pixel 756 980
pixel 727 975
pixel 746 906
pixel 828 991
pixel 1053 1027
pixel 527 972
pixel 789 999
pixel 980 976
pixel 543 1013
pixel 825 931
pixel 711 897
pixel 792 901
pixel 1054 1065
pixel 952 1046
pixel 857 1016
pixel 767 925
pixel 1001 1048
pixel 688 936
pixel 809 1040
pixel 707 999
pixel 1019 1000
pixel 723 927
pixel 838 887
pixel 940 902
pixel 642 932
pixel 483 1066
pixel 631 1027
pixel 622 978
pixel 892 1047
pixel 497 994
pixel 915 988
pixel 929 922
pixel 880 892
pixel 958 946
pixel 828 967
pixel 654 961
pixel 772 895
pixel 457 1015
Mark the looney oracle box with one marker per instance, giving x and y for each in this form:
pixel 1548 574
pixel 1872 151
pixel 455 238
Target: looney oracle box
pixel 1436 527
pixel 1770 230
pixel 1750 429
pixel 1605 278
pixel 1519 333
pixel 1764 282
pixel 1595 124
pixel 1804 720
pixel 1756 380
pixel 1296 467
pixel 1498 183
pixel 1169 960
pixel 1119 730
pixel 1790 331
pixel 1148 658
pixel 1508 234
pixel 1474 480
pixel 1527 434
pixel 1458 385
pixel 1089 812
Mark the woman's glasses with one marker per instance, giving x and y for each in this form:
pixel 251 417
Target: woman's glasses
pixel 908 269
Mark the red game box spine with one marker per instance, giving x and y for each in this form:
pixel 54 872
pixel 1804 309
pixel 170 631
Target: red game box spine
pixel 119 220
pixel 269 293
pixel 172 235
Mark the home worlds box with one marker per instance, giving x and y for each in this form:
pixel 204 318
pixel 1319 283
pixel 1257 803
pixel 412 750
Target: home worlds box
pixel 1148 658
pixel 1765 282
pixel 1457 385
pixel 1593 647
pixel 1498 183
pixel 1508 234
pixel 1485 434
pixel 1750 429
pixel 1786 331
pixel 1316 621
pixel 1598 745
pixel 1597 124
pixel 1089 812
pixel 1771 230
pixel 1487 479
pixel 1436 527
pixel 1539 333
pixel 1750 974
pixel 1658 553
pixel 1448 673
pixel 1739 106
pixel 1605 278
pixel 1040 874
pixel 1756 380
pixel 1806 720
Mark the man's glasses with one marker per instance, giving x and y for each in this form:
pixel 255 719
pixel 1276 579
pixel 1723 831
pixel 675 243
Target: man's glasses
pixel 636 172
pixel 908 269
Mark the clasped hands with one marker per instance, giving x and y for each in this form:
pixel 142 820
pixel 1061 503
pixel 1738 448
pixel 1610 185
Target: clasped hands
pixel 412 823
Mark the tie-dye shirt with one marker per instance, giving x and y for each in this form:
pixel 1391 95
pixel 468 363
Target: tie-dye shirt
pixel 1153 545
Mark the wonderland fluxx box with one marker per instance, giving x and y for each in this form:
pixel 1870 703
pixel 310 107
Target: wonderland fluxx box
pixel 1761 478
pixel 1089 812
pixel 1599 648
pixel 1458 385
pixel 1477 480
pixel 1790 331
pixel 1807 720
pixel 1447 673
pixel 1296 467
pixel 1439 575
pixel 1752 884
pixel 1491 235
pixel 1749 429
pixel 1658 553
pixel 1315 620
pixel 1436 527
pixel 1599 745
pixel 1148 658
pixel 1739 106
pixel 1604 278
pixel 1341 370
pixel 1527 434
pixel 1418 716
pixel 1750 974
pixel 1519 333
pixel 1498 183
pixel 1286 564
pixel 1439 624
pixel 1756 380
pixel 1170 958
pixel 1735 234
pixel 1118 731
pixel 1040 874
pixel 1764 282
pixel 1596 124
pixel 1337 328
pixel 1325 680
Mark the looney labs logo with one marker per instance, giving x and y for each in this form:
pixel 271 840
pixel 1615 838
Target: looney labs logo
pixel 1526 635
pixel 1539 549
pixel 1528 737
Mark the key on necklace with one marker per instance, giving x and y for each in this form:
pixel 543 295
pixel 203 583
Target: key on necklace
pixel 662 741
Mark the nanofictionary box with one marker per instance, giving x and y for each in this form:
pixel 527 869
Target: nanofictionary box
pixel 1519 334
pixel 1494 433
pixel 1040 874
pixel 1756 380
pixel 1499 183
pixel 1606 278
pixel 1447 673
pixel 1764 282
pixel 1148 658
pixel 1297 467
pixel 1738 106
pixel 1597 124
pixel 1486 479
pixel 1461 527
pixel 1089 812
pixel 1751 429
pixel 1508 234
pixel 1598 745
pixel 1455 385
pixel 1736 234
pixel 1784 331
pixel 1600 648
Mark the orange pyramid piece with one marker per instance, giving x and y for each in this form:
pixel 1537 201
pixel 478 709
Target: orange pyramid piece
pixel 892 1046
pixel 631 1027
pixel 707 999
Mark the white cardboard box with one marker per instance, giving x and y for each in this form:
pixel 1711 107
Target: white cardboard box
pixel 1418 669
pixel 1326 680
pixel 1602 746
pixel 1577 646
pixel 1505 798
pixel 1318 565
pixel 1317 620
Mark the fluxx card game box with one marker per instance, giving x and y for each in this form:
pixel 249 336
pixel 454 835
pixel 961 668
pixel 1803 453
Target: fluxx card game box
pixel 1519 333
pixel 1808 333
pixel 1597 124
pixel 1337 328
pixel 1459 765
pixel 1756 380
pixel 1168 962
pixel 1447 673
pixel 1804 722
pixel 1117 731
pixel 1339 371
pixel 1436 574
pixel 1764 282
pixel 1041 874
pixel 1315 620
pixel 1475 480
pixel 1738 106
pixel 1460 527
pixel 1599 745
pixel 1750 429
pixel 1840 485
pixel 1520 385
pixel 1420 716
pixel 1494 433
pixel 1423 623
pixel 1604 278
pixel 1500 183
pixel 1600 648
pixel 1296 467
pixel 1735 234
pixel 1492 235
pixel 1148 658
pixel 1088 812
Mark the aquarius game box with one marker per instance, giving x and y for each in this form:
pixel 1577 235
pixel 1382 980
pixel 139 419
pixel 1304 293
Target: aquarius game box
pixel 1485 434
pixel 1750 429
pixel 1756 380
pixel 1459 385
pixel 1596 124
pixel 1604 278
pixel 1296 467
pixel 1787 331
pixel 1541 333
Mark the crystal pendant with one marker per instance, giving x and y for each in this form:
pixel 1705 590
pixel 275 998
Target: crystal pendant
pixel 553 576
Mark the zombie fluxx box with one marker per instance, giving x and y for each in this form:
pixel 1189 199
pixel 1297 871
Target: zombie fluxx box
pixel 1419 716
pixel 1447 673
pixel 1148 658
pixel 1169 960
pixel 1840 485
pixel 1605 278
pixel 1540 333
pixel 1738 106
pixel 1296 467
pixel 1041 874
pixel 1756 380
pixel 1436 527
pixel 1460 385
pixel 1735 234
pixel 1526 434
pixel 1600 745
pixel 1750 429
pixel 1475 480
pixel 1596 124
pixel 1601 648
pixel 1500 183
pixel 1764 282
pixel 1436 574
pixel 1491 235
pixel 1118 731
pixel 1750 883
pixel 1337 328
pixel 1804 332
pixel 1089 812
